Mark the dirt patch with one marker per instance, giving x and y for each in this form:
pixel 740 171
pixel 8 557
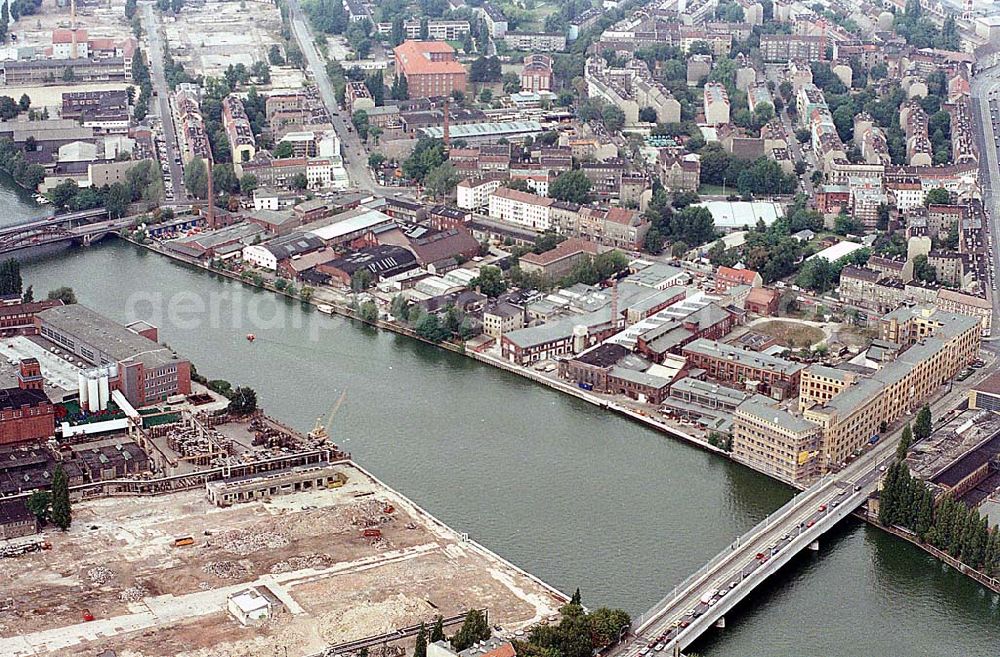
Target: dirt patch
pixel 790 334
pixel 332 582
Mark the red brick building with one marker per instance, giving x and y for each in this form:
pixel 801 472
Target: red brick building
pixel 26 413
pixel 727 277
pixel 430 68
pixel 19 318
pixel 763 301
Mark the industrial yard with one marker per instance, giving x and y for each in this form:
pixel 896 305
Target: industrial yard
pixel 339 564
pixel 209 38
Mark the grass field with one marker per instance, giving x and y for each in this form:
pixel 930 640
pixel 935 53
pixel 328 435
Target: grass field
pixel 790 334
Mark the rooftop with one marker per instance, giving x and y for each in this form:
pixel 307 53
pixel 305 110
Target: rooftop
pixel 110 337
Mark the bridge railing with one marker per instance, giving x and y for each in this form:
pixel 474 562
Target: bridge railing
pixel 770 519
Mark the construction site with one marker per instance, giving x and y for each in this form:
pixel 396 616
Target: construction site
pixel 307 559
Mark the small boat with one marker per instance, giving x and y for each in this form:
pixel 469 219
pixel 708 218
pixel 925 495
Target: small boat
pixel 41 199
pixel 251 337
pixel 324 308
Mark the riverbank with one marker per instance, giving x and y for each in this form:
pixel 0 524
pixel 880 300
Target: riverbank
pixel 554 384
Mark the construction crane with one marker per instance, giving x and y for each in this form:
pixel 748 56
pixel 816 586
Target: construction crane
pixel 321 432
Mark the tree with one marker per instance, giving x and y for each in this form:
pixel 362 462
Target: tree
pixel 360 121
pixel 24 103
pixel 905 441
pixel 116 200
pixel 420 650
pixel 485 69
pixel 243 401
pixel 248 183
pixel 376 160
pixel 10 277
pixel 441 180
pixel 437 632
pixel 64 294
pixel 473 630
pixel 647 115
pixel 196 178
pixel 486 96
pixel 283 150
pixel 576 599
pixel 923 270
pixel 937 196
pixel 922 425
pixel 571 186
pixel 361 279
pixel 39 504
pixel 490 281
pixel 62 512
pixel 613 118
pixel 299 181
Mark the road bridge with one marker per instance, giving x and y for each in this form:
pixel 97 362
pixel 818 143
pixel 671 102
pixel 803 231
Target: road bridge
pixel 702 600
pixel 84 228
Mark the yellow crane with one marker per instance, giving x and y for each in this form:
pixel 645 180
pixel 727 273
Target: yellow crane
pixel 321 432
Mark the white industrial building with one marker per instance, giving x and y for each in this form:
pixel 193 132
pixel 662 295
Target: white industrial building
pixel 738 215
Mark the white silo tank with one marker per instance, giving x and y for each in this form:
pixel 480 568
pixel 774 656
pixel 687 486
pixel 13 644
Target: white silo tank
pixel 81 384
pixel 579 338
pixel 93 394
pixel 103 389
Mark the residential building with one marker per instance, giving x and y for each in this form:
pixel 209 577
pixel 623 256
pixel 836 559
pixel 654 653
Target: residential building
pixel 496 22
pixel 763 301
pixel 535 41
pixel 558 262
pixel 474 193
pixel 357 97
pixel 430 68
pixel 728 277
pixel 679 173
pixel 716 104
pixel 630 88
pixel 788 47
pixel 521 208
pixel 242 143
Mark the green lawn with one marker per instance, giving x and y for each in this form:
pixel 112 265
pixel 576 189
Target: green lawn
pixel 715 190
pixel 166 418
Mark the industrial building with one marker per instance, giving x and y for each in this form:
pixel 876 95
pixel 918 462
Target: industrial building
pixel 144 371
pixel 430 68
pixel 227 492
pixel 26 412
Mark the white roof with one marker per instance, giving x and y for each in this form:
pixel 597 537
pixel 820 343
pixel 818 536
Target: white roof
pixel 837 251
pixel 337 229
pixel 737 214
pixel 250 601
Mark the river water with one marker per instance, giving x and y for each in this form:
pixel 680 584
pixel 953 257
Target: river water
pixel 572 494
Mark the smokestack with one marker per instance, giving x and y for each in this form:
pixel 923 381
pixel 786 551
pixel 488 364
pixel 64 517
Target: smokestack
pixel 210 216
pixel 614 304
pixel 447 137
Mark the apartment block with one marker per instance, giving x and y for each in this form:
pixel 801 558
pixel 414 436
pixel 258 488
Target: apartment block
pixel 536 41
pixel 851 409
pixel 521 208
pixel 237 126
pixel 716 104
pixel 775 441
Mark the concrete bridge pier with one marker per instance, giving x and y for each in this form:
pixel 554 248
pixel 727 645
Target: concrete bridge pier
pixel 721 623
pixel 814 546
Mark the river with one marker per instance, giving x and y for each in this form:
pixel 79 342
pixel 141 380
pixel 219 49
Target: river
pixel 573 494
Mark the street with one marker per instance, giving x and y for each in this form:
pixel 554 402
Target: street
pixel 355 157
pixel 161 101
pixel 983 85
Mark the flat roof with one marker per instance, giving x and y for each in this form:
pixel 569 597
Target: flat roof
pixel 737 214
pixel 108 336
pixel 484 129
pixel 352 221
pixel 837 251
